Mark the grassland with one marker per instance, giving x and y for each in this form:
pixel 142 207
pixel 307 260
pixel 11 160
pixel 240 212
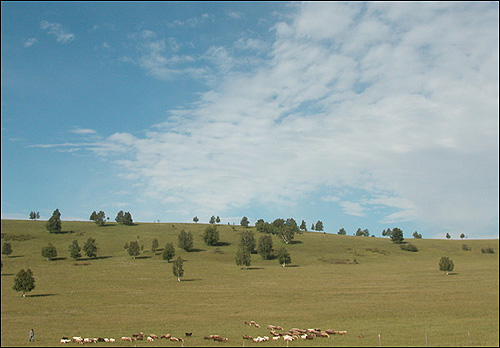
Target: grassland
pixel 363 285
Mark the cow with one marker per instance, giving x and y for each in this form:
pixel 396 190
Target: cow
pixel 111 340
pixel 153 336
pixel 276 338
pixel 247 337
pixel 167 336
pixel 150 339
pixel 341 332
pixel 189 334
pixel 129 339
pixel 65 340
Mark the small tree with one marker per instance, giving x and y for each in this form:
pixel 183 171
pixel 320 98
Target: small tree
pixel 319 226
pixel 212 220
pixel 303 226
pixel 127 219
pixel 462 236
pixel 24 281
pixel 342 232
pixel 195 219
pixel 7 249
pixel 185 240
pixel 34 215
pixel 217 220
pixel 265 247
pixel 49 252
pixel 211 236
pixel 134 249
pixel 99 218
pixel 53 225
pixel 448 235
pixel 312 227
pixel 446 265
pixel 178 269
pixel 119 217
pixel 168 252
pixel 154 246
pixel 244 222
pixel 90 248
pixel 284 257
pixel 74 250
pixel 397 235
pixel 243 257
pixel 417 235
pixel 248 240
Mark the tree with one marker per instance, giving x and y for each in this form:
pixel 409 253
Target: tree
pixel 54 223
pixel 363 233
pixel 243 256
pixel 244 222
pixel 195 219
pixel 446 265
pixel 248 240
pixel 134 249
pixel 319 226
pixel 178 269
pixel 217 220
pixel 168 252
pixel 265 247
pixel 7 249
pixel 34 215
pixel 99 218
pixel 312 227
pixel 154 246
pixel 303 226
pixel 212 220
pixel 387 233
pixel 284 257
pixel 211 235
pixel 49 252
pixel 127 219
pixel 397 235
pixel 90 248
pixel 462 236
pixel 417 235
pixel 74 250
pixel 342 232
pixel 119 217
pixel 448 235
pixel 24 281
pixel 185 240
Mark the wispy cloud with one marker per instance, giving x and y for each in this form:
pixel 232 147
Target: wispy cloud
pixel 83 131
pixel 57 30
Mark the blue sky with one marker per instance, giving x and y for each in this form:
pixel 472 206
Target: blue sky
pixel 361 115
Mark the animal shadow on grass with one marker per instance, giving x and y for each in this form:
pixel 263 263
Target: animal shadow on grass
pixel 292 266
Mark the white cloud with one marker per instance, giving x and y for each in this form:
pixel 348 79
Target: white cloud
pixel 374 96
pixel 57 30
pixel 83 131
pixel 30 42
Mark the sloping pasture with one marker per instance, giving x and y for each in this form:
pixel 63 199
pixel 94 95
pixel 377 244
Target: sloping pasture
pixel 367 286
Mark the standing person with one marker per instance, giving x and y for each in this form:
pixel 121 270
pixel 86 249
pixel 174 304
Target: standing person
pixel 32 336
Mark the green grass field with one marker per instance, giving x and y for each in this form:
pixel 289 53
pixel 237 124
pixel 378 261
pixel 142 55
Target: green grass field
pixel 381 289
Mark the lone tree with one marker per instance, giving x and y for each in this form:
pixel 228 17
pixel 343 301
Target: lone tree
pixel 342 232
pixel 49 252
pixel 462 236
pixel 195 219
pixel 211 235
pixel 217 220
pixel 244 222
pixel 319 226
pixel 90 248
pixel 177 268
pixel 34 215
pixel 248 240
pixel 53 225
pixel 417 235
pixel 99 218
pixel 168 252
pixel 74 250
pixel 303 226
pixel 185 240
pixel 154 246
pixel 284 257
pixel 134 249
pixel 7 249
pixel 265 247
pixel 446 265
pixel 397 235
pixel 24 281
pixel 243 257
pixel 448 235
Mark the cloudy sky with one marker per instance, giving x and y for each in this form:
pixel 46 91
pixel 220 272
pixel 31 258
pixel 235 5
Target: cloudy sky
pixel 361 115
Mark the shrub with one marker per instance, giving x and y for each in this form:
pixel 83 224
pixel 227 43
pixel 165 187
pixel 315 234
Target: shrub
pixel 211 235
pixel 409 247
pixel 487 250
pixel 465 247
pixel 446 265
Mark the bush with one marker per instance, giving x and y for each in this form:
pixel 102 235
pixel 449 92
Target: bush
pixel 409 247
pixel 487 250
pixel 211 235
pixel 465 247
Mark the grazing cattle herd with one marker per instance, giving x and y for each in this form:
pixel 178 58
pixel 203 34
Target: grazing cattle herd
pixel 287 336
